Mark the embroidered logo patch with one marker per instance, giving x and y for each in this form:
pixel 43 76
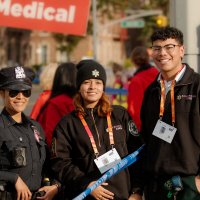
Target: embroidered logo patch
pixel 132 128
pixel 19 72
pixel 186 97
pixel 116 127
pixel 95 73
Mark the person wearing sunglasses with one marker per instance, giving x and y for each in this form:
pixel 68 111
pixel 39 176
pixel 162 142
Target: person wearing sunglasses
pixel 170 117
pixel 23 153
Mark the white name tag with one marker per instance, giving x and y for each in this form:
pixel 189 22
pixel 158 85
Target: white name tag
pixel 107 160
pixel 164 131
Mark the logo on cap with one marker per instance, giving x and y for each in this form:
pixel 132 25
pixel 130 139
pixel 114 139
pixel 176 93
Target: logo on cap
pixel 95 73
pixel 19 72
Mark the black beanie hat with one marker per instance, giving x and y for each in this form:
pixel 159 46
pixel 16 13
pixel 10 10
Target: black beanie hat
pixel 89 69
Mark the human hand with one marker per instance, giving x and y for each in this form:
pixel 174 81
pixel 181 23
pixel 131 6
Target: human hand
pixel 135 197
pixel 100 193
pixel 23 192
pixel 50 192
pixel 197 182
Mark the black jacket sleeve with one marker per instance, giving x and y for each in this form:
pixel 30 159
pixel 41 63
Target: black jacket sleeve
pixel 68 173
pixel 134 141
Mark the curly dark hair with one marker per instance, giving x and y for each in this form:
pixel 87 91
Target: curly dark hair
pixel 166 33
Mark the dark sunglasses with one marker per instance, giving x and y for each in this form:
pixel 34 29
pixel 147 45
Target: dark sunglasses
pixel 14 93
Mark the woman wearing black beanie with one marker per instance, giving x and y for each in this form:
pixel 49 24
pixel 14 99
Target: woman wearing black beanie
pixel 87 140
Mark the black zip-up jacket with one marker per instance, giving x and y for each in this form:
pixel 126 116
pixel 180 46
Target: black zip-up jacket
pixel 73 159
pixel 182 156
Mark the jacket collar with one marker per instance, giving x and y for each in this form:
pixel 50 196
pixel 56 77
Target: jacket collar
pixel 89 110
pixel 187 77
pixel 9 121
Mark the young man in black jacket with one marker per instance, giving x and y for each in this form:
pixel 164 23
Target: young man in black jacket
pixel 170 124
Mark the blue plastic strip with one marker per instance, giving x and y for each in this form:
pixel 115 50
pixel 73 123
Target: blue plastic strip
pixel 116 91
pixel 124 163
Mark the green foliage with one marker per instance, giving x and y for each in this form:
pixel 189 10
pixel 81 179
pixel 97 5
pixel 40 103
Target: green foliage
pixel 160 4
pixel 67 43
pixel 36 67
pixel 150 22
pixel 108 8
pixel 128 63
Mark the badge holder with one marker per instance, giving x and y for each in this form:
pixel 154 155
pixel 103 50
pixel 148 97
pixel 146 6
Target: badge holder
pixel 164 131
pixel 107 160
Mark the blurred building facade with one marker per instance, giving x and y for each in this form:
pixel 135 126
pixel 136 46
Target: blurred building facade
pixel 14 46
pixel 31 48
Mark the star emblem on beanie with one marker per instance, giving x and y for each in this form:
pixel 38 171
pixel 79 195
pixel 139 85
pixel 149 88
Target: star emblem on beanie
pixel 95 73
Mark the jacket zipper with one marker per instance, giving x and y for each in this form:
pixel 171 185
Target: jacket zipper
pixel 96 128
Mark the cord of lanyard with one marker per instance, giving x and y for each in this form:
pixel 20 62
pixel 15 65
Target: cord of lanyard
pixel 94 146
pixel 162 101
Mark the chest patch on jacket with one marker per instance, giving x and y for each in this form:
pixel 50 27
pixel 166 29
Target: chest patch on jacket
pixel 116 128
pixel 186 97
pixel 132 128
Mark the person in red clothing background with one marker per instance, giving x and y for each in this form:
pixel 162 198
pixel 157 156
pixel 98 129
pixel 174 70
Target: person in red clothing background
pixel 60 102
pixel 46 82
pixel 145 74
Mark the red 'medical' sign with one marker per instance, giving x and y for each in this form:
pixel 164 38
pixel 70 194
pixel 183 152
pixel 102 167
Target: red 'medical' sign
pixel 68 17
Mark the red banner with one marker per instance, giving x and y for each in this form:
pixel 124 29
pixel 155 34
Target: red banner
pixel 68 17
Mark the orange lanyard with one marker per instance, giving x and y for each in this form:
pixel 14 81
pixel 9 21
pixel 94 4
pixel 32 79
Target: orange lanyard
pixel 162 101
pixel 94 146
pixel 110 130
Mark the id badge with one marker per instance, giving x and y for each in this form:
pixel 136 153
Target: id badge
pixel 107 160
pixel 164 131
